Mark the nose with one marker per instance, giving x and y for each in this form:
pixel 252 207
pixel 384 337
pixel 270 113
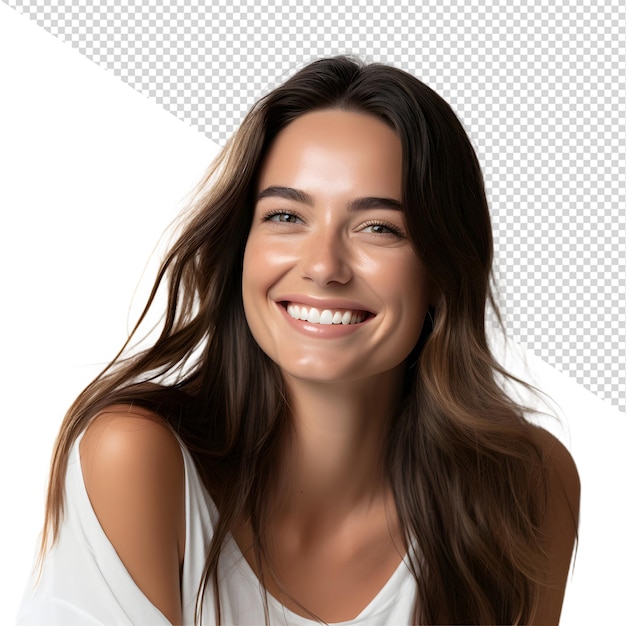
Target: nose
pixel 325 258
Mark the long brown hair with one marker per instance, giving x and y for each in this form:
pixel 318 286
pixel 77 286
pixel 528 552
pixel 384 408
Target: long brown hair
pixel 465 466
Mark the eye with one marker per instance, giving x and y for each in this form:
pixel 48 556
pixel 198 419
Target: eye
pixel 381 228
pixel 285 217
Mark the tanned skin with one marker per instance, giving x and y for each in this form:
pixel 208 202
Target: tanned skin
pixel 327 232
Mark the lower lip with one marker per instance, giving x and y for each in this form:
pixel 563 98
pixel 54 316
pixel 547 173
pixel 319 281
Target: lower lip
pixel 323 331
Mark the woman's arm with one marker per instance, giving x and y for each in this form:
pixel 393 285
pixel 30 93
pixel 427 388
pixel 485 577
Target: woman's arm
pixel 135 478
pixel 561 524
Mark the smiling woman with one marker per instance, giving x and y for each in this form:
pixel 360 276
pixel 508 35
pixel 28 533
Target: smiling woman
pixel 328 242
pixel 317 434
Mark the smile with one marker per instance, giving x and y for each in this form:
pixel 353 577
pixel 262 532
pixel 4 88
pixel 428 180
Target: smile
pixel 326 316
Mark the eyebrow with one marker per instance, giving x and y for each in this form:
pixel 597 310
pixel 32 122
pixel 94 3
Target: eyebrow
pixel 358 204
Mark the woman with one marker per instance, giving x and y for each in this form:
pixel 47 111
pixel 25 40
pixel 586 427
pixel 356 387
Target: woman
pixel 317 433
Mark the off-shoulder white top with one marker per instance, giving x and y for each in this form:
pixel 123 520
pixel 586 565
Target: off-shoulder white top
pixel 84 582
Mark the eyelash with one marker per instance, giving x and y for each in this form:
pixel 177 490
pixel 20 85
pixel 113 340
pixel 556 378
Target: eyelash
pixel 270 214
pixel 392 228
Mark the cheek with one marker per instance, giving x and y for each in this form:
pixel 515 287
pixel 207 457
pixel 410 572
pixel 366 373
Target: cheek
pixel 409 288
pixel 405 281
pixel 251 281
pixel 263 265
pixel 257 265
pixel 265 258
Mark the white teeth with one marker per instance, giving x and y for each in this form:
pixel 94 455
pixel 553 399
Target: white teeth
pixel 326 317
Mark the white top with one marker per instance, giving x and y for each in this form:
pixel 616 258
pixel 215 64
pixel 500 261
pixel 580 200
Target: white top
pixel 84 582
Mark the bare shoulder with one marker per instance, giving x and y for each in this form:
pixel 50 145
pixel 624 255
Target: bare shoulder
pixel 562 474
pixel 128 435
pixel 134 475
pixel 560 527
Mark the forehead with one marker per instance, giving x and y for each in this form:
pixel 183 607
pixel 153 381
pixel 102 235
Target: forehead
pixel 336 147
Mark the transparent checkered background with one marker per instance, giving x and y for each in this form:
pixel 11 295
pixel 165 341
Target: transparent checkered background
pixel 540 86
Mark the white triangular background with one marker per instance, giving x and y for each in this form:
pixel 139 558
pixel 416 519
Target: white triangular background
pixel 91 174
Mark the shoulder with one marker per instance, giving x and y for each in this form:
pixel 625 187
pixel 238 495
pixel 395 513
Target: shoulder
pixel 560 525
pixel 131 436
pixel 134 474
pixel 561 472
pixel 128 448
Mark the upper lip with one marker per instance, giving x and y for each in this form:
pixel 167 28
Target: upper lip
pixel 325 303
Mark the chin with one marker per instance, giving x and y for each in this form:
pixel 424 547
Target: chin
pixel 329 372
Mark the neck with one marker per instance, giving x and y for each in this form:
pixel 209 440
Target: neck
pixel 334 458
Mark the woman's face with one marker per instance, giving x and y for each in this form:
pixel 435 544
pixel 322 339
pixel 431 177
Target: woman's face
pixel 332 287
